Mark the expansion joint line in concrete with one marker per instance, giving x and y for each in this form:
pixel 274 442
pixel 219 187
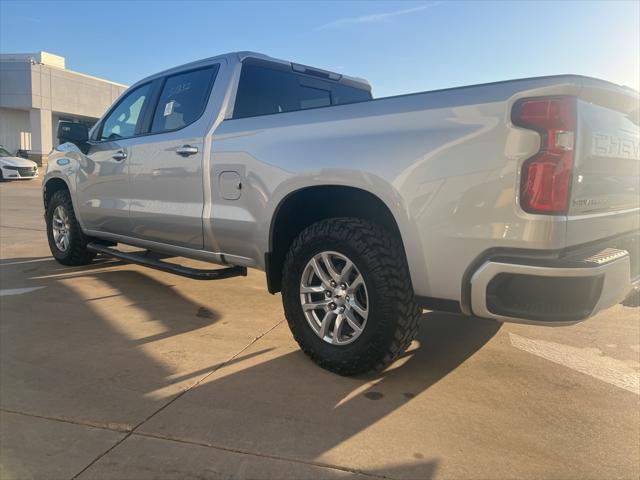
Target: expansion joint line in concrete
pixel 179 395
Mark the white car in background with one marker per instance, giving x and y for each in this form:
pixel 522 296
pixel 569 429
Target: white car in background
pixel 16 168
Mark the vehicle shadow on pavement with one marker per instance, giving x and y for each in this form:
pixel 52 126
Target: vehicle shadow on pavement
pixel 158 302
pixel 285 406
pixel 91 344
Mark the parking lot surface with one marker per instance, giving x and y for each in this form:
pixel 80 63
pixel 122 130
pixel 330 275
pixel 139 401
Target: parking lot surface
pixel 116 371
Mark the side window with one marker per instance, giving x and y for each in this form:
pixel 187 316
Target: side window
pixel 183 99
pixel 122 121
pixel 263 90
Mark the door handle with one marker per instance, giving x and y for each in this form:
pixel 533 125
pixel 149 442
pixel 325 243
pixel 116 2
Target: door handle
pixel 119 156
pixel 186 150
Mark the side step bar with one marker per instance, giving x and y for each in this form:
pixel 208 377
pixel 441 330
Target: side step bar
pixel 148 259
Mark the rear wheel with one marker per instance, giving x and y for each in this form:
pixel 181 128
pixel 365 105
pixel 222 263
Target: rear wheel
pixel 66 241
pixel 348 297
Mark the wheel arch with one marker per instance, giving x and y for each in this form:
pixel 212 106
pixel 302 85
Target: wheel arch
pixel 50 187
pixel 305 206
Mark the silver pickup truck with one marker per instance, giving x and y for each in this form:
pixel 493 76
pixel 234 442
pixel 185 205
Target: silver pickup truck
pixel 516 201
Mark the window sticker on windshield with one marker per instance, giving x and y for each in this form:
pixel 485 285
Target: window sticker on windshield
pixel 168 108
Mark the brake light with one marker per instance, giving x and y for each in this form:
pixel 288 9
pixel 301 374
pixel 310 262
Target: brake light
pixel 546 177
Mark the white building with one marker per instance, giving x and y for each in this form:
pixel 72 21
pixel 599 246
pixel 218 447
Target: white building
pixel 36 92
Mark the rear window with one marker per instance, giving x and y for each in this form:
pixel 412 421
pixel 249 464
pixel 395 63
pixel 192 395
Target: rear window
pixel 314 97
pixel 183 99
pixel 263 91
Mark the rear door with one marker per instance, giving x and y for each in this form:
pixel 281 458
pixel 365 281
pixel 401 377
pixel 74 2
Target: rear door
pixel 166 170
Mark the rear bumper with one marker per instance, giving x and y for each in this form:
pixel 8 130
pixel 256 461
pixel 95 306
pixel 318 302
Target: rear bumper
pixel 559 291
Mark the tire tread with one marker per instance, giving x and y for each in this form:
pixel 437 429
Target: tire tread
pixel 385 257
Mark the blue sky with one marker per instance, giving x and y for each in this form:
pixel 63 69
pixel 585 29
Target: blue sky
pixel 399 47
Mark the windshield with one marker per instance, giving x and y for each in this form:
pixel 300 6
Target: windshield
pixel 4 153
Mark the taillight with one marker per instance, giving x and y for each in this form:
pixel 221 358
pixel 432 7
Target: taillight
pixel 546 177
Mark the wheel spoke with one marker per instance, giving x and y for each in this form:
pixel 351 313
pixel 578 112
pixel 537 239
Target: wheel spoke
pixel 353 323
pixel 315 305
pixel 337 329
pixel 312 289
pixel 324 324
pixel 319 272
pixel 346 271
pixel 363 312
pixel 356 283
pixel 335 276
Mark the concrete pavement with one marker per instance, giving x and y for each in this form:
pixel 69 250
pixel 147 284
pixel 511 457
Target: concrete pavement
pixel 116 371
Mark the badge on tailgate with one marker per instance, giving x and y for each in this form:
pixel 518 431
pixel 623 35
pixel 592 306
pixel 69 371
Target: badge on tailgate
pixel 615 146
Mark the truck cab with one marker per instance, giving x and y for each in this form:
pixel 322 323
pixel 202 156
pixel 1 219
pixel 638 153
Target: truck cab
pixel 147 162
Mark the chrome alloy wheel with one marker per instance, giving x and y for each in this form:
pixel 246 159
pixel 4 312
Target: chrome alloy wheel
pixel 334 298
pixel 61 228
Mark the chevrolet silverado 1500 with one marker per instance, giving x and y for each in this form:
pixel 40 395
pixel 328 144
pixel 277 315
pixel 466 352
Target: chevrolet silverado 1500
pixel 516 201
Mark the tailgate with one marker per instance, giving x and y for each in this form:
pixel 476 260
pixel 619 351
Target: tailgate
pixel 605 192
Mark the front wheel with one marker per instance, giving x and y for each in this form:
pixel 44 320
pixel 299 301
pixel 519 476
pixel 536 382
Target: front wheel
pixel 66 241
pixel 348 297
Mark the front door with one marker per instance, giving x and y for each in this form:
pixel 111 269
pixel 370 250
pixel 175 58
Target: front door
pixel 166 172
pixel 103 177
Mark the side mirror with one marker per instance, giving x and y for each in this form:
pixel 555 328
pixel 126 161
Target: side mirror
pixel 76 133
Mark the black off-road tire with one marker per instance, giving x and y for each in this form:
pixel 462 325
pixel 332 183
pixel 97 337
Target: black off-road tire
pixel 393 312
pixel 77 253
